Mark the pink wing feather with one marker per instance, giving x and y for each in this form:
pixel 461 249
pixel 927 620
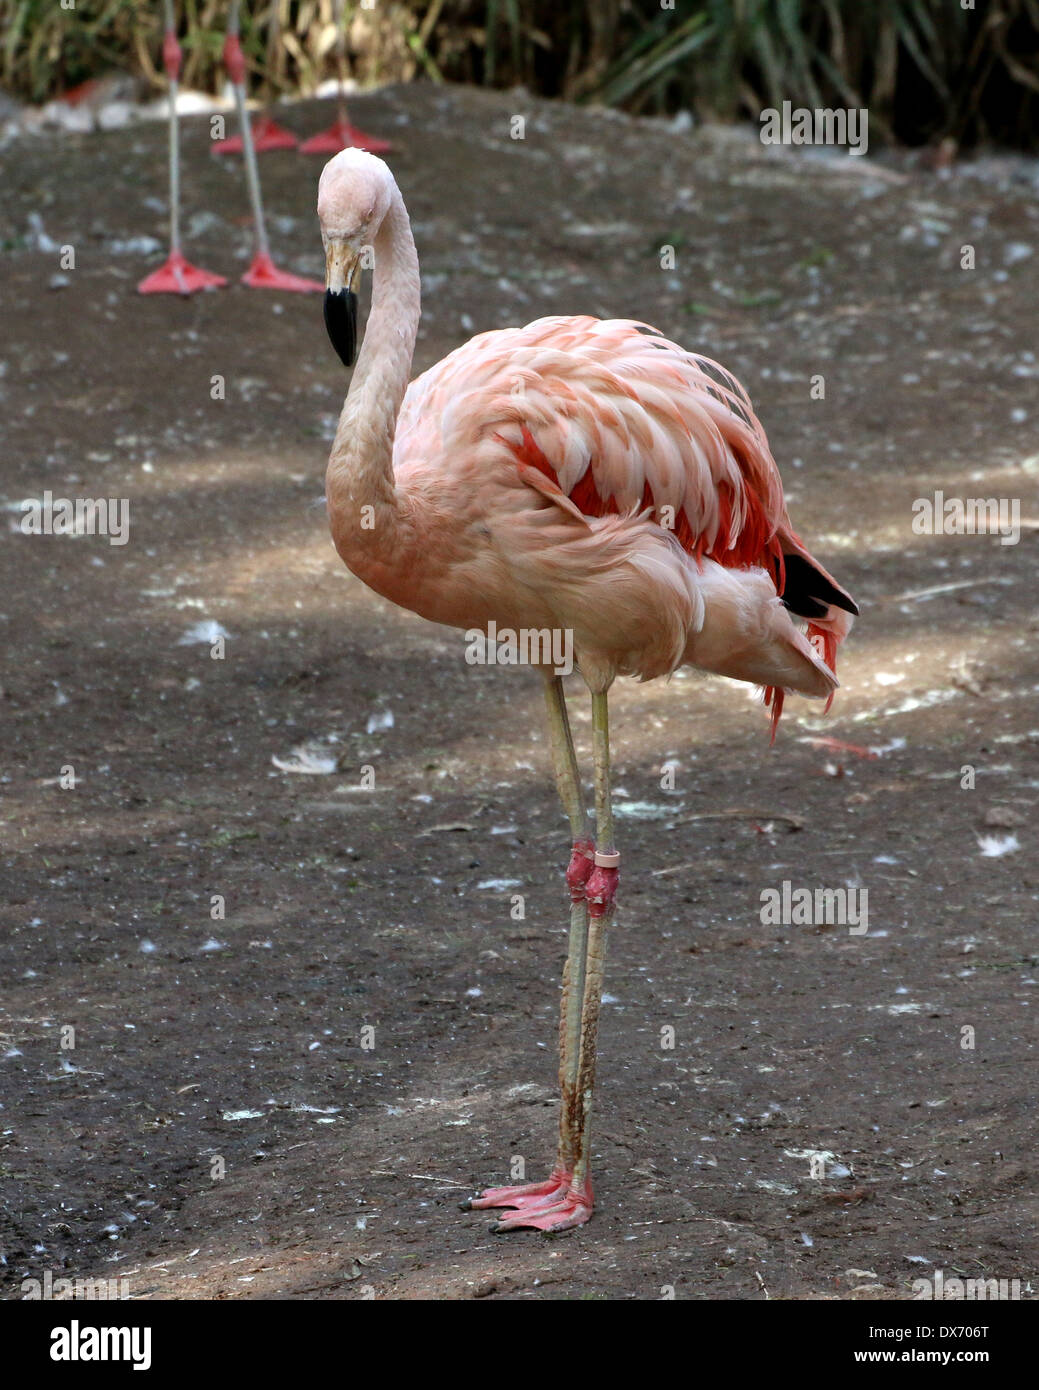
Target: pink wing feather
pixel 610 417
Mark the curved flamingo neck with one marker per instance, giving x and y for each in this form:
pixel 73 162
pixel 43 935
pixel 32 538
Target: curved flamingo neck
pixel 360 466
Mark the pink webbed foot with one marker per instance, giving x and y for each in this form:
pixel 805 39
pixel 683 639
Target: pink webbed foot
pixel 531 1194
pixel 573 1208
pixel 340 137
pixel 178 276
pixel 263 274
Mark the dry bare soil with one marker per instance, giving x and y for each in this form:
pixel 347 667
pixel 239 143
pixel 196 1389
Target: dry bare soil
pixel 219 1129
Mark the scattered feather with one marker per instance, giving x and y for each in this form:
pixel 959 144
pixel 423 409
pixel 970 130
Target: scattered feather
pixel 310 759
pixel 205 633
pixel 995 846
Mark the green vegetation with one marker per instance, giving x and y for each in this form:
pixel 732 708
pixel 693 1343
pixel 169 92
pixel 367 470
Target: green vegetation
pixel 926 69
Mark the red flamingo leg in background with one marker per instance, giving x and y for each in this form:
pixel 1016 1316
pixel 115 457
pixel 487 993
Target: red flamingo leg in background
pixel 267 133
pixel 262 274
pixel 341 134
pixel 176 276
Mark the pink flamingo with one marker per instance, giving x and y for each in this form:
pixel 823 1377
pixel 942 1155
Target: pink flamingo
pixel 581 476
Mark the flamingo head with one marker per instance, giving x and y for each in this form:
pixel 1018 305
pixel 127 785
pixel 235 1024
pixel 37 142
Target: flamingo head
pixel 353 197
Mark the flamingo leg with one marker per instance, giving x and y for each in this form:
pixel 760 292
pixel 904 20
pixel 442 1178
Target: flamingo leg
pixel 600 890
pixel 560 1210
pixel 536 1197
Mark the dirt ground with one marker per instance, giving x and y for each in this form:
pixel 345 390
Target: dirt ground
pixel 223 1127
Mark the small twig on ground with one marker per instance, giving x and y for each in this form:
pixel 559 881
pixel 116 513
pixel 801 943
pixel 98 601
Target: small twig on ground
pixel 422 1177
pixel 795 822
pixel 941 589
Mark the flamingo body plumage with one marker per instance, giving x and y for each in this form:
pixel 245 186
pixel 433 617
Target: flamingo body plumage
pixel 578 475
pixel 535 464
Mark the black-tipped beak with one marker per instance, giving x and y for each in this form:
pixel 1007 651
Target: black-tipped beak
pixel 341 322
